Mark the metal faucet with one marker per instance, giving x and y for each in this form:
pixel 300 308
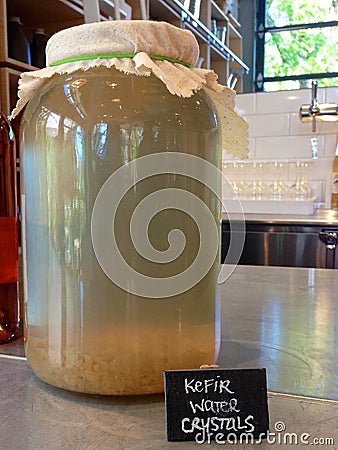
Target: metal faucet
pixel 314 107
pixel 315 111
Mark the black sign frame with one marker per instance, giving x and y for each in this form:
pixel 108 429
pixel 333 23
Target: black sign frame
pixel 211 404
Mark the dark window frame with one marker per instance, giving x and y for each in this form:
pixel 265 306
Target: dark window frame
pixel 262 29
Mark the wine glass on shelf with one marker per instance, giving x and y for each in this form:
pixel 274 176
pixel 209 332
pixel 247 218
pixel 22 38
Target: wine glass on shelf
pixel 230 185
pixel 300 190
pixel 279 189
pixel 257 187
pixel 239 180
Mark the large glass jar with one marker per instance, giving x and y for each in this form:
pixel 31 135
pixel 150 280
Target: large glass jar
pixel 85 331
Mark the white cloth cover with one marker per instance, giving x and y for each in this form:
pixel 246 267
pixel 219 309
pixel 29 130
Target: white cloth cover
pixel 142 39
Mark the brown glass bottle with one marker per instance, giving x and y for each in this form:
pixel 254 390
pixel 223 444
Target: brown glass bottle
pixel 9 299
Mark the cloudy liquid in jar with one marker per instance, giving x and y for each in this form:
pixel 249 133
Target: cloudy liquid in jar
pixel 84 333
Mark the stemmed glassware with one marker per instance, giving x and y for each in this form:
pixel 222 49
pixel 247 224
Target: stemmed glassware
pixel 279 190
pixel 238 181
pixel 300 190
pixel 257 187
pixel 265 181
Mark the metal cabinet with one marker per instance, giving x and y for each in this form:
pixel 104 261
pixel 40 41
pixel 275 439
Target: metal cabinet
pixel 291 245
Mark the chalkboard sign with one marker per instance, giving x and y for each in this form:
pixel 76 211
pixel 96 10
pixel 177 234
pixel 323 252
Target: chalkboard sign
pixel 216 404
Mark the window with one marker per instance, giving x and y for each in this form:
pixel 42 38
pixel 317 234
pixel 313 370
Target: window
pixel 296 42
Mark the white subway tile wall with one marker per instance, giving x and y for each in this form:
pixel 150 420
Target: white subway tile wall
pixel 276 134
pixel 331 94
pixel 287 147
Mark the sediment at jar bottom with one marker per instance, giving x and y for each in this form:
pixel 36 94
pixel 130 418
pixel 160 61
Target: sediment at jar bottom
pixel 111 366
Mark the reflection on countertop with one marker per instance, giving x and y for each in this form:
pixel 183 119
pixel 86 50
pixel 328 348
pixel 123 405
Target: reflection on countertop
pixel 13 348
pixel 284 319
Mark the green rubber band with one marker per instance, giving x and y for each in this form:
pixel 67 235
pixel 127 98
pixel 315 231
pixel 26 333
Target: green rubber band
pixel 117 55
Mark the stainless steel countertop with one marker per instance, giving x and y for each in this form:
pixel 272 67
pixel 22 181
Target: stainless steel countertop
pixel 284 319
pixel 326 217
pixel 35 416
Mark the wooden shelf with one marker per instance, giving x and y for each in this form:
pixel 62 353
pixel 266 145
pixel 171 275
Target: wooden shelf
pixel 173 11
pixel 53 15
pixel 17 65
pixel 217 13
pixel 8 88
